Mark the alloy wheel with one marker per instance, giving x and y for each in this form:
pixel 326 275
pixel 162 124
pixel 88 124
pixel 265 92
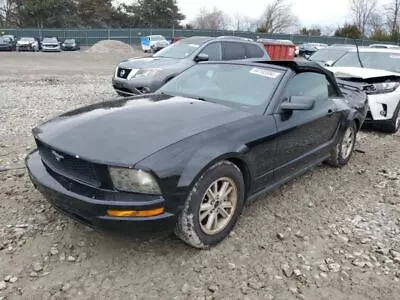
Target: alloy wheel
pixel 348 142
pixel 218 205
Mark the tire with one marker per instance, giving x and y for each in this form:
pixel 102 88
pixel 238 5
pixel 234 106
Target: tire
pixel 195 231
pixel 392 125
pixel 343 150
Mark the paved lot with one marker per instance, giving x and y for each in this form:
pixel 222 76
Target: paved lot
pixel 331 234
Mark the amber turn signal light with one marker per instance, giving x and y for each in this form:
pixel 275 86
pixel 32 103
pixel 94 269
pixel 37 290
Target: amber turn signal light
pixel 135 213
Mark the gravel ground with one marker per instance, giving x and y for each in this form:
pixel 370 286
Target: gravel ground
pixel 331 234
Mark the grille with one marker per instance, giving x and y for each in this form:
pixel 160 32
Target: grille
pixel 69 166
pixel 123 73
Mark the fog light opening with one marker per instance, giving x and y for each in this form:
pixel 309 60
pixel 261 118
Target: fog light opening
pixel 135 213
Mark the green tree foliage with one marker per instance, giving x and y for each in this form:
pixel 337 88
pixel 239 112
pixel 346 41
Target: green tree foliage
pixel 90 13
pixel 155 13
pixel 310 31
pixel 349 31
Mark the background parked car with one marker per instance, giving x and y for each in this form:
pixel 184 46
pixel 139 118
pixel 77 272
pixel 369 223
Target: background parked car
pixel 28 44
pixel 70 45
pixel 154 43
pixel 384 46
pixel 328 56
pixel 309 49
pixel 51 44
pixel 7 43
pixel 146 75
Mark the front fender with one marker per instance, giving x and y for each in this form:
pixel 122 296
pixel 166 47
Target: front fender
pixel 207 156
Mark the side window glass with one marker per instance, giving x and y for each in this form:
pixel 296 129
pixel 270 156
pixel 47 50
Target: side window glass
pixel 213 51
pixel 233 51
pixel 254 51
pixel 308 84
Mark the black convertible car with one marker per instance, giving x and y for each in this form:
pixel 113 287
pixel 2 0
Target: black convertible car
pixel 189 157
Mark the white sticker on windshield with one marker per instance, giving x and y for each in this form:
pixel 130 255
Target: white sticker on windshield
pixel 395 56
pixel 264 72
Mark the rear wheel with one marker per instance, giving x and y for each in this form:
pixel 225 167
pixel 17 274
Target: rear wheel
pixel 343 150
pixel 212 207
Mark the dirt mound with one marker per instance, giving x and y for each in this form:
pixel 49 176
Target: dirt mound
pixel 110 46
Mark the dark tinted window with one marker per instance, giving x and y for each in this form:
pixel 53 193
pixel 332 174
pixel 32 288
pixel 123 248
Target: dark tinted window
pixel 233 51
pixel 308 84
pixel 254 51
pixel 213 51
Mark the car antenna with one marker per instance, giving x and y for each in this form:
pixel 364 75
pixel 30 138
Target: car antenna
pixel 358 54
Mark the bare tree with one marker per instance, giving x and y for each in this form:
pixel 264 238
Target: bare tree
pixel 278 17
pixel 243 23
pixel 362 12
pixel 7 14
pixel 211 19
pixel 393 17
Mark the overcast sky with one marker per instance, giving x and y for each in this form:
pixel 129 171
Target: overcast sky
pixel 310 12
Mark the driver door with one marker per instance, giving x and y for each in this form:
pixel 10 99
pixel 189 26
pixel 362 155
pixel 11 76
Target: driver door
pixel 305 136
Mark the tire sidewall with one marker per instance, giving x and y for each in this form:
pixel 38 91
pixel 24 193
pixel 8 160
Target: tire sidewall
pixel 222 169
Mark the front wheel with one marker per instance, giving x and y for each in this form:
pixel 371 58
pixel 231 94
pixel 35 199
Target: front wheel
pixel 212 207
pixel 392 125
pixel 343 150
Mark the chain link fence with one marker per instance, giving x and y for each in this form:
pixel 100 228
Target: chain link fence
pixel 88 37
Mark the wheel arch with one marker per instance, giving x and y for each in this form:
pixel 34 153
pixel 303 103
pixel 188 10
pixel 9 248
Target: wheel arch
pixel 200 163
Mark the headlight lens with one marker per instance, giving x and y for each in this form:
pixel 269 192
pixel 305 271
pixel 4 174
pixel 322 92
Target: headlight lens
pixel 147 72
pixel 132 180
pixel 386 87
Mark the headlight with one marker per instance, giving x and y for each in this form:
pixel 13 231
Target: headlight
pixel 63 45
pixel 132 180
pixel 386 87
pixel 147 73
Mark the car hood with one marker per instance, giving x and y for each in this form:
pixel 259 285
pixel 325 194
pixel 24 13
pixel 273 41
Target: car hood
pixel 25 42
pixel 362 73
pixel 148 62
pixel 125 132
pixel 50 44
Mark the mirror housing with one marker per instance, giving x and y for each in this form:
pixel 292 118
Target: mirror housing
pixel 329 63
pixel 298 103
pixel 201 57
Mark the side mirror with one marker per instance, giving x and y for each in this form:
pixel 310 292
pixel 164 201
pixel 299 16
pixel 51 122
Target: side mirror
pixel 298 103
pixel 329 63
pixel 201 57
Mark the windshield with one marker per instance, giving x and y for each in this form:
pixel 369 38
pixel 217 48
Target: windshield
pixel 324 55
pixel 389 61
pixel 69 41
pixel 180 49
pixel 246 87
pixel 27 39
pixel 157 38
pixel 50 40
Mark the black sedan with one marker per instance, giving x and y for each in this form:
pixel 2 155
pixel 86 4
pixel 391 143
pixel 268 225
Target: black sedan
pixel 7 43
pixel 189 157
pixel 70 45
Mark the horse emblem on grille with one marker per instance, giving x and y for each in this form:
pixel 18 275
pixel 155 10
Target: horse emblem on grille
pixel 122 73
pixel 57 155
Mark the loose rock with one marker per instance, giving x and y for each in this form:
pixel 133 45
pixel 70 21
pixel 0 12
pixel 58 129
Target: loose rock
pixel 37 266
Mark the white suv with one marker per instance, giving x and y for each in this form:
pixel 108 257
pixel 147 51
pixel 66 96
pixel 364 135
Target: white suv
pixel 381 69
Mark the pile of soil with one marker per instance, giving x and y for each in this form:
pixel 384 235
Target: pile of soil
pixel 110 46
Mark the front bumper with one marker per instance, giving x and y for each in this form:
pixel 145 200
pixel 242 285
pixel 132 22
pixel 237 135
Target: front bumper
pixel 91 211
pixel 25 48
pixel 135 86
pixel 382 106
pixel 51 49
pixel 6 48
